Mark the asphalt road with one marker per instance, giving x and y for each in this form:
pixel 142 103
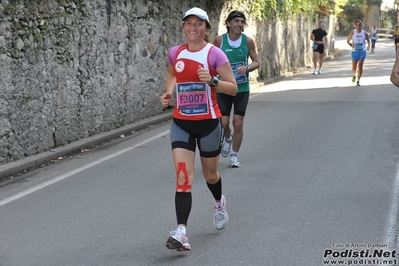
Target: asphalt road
pixel 319 182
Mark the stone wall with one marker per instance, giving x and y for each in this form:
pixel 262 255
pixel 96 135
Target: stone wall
pixel 74 68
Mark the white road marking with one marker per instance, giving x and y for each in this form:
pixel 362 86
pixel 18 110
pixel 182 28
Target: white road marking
pixel 80 169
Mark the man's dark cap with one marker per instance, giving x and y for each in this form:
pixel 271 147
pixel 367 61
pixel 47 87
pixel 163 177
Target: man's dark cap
pixel 235 14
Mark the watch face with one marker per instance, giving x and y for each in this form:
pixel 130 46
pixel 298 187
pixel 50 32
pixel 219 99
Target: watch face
pixel 214 82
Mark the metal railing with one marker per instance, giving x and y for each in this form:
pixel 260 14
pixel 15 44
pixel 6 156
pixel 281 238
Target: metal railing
pixel 385 34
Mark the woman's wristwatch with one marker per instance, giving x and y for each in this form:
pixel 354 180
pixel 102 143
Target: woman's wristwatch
pixel 214 81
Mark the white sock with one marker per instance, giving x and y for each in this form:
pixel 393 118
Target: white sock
pixel 229 139
pixel 233 153
pixel 218 205
pixel 182 229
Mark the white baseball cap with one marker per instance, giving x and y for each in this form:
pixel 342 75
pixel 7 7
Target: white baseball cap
pixel 195 11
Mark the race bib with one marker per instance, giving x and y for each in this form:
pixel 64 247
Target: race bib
pixel 192 98
pixel 359 47
pixel 374 35
pixel 239 78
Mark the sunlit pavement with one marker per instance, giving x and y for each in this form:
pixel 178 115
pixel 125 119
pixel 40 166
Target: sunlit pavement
pixel 337 70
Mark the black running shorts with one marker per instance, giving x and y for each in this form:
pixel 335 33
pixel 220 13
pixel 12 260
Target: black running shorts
pixel 206 134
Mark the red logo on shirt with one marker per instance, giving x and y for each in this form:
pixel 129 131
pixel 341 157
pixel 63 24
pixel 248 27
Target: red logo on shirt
pixel 179 66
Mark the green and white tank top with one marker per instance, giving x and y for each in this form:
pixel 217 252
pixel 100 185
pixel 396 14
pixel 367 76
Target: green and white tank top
pixel 238 56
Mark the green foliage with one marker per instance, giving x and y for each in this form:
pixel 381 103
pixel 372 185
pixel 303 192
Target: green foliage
pixel 353 12
pixel 389 18
pixel 288 8
pixel 355 9
pixel 339 6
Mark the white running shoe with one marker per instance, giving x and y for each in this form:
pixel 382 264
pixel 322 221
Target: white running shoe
pixel 234 163
pixel 319 72
pixel 220 217
pixel 315 72
pixel 178 240
pixel 226 147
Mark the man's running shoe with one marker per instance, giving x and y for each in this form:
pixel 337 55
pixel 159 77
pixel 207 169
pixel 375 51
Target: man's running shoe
pixel 319 72
pixel 353 78
pixel 358 83
pixel 226 147
pixel 178 240
pixel 234 163
pixel 315 72
pixel 220 217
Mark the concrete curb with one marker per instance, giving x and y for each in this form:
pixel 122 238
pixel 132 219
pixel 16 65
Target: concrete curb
pixel 34 161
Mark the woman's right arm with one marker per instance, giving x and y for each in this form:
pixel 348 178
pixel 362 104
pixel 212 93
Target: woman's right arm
pixel 170 86
pixel 350 39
